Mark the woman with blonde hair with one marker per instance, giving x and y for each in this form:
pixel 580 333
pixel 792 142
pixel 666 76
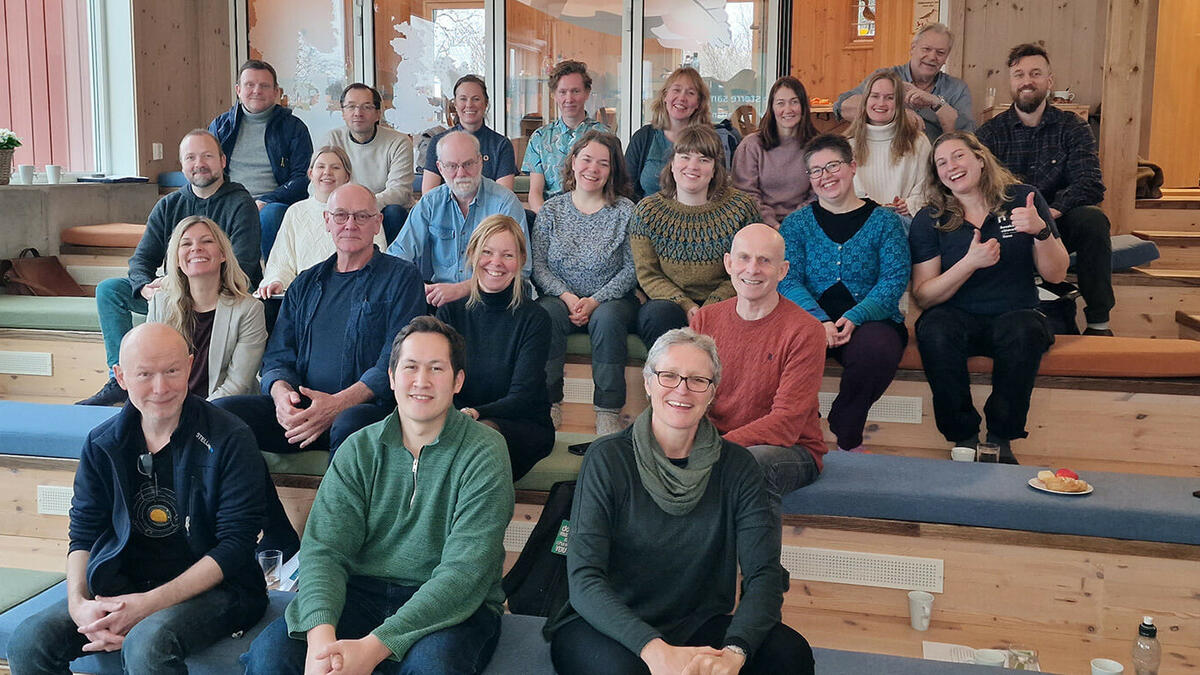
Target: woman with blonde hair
pixel 890 148
pixel 975 249
pixel 681 102
pixel 205 297
pixel 508 341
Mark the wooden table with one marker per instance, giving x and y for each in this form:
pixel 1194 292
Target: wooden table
pixel 1080 109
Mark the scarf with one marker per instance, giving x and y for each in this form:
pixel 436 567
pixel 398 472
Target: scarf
pixel 676 489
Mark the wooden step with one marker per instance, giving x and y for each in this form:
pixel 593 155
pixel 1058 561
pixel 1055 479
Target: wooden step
pixel 1147 299
pixel 1177 249
pixel 1164 276
pixel 1172 198
pixel 1189 325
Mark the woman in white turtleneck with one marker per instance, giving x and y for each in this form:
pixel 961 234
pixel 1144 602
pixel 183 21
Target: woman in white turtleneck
pixel 890 148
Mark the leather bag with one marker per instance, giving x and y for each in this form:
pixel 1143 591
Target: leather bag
pixel 31 273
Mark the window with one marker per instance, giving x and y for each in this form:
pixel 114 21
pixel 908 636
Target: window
pixel 864 19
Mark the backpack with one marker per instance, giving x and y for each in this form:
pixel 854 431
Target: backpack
pixel 537 583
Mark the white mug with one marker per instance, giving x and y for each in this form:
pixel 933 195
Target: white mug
pixel 1063 95
pixel 963 454
pixel 920 607
pixel 25 172
pixel 991 657
pixel 1106 667
pixel 53 174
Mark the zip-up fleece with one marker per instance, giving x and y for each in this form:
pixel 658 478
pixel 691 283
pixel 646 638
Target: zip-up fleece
pixel 289 147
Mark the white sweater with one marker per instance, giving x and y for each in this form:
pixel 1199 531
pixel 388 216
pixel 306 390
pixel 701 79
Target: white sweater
pixel 383 166
pixel 302 242
pixel 883 181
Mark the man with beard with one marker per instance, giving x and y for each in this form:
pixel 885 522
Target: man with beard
pixel 436 233
pixel 206 194
pixel 1054 151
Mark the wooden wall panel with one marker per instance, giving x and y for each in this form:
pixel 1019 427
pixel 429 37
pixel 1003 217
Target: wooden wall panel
pixel 1121 123
pixel 1174 134
pixel 824 59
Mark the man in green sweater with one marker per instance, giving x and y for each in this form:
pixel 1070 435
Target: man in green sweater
pixel 400 566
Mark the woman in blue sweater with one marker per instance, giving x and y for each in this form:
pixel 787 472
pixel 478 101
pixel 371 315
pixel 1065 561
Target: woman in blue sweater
pixel 508 341
pixel 848 266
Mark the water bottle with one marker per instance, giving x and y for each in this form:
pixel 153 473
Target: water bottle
pixel 1147 653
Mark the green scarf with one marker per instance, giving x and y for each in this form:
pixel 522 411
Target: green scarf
pixel 676 489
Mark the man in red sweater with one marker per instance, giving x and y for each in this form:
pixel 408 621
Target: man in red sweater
pixel 773 356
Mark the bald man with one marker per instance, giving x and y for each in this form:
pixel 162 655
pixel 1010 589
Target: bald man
pixel 167 507
pixel 772 356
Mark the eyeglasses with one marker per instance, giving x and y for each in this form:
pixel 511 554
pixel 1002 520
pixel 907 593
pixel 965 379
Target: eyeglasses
pixel 360 217
pixel 832 167
pixel 453 167
pixel 695 383
pixel 365 107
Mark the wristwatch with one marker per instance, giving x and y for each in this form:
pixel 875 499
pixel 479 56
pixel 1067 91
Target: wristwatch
pixel 735 649
pixel 1044 234
pixel 941 102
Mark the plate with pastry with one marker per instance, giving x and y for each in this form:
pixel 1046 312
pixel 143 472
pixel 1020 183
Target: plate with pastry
pixel 1061 482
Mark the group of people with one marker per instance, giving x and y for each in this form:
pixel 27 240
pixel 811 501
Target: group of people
pixel 423 346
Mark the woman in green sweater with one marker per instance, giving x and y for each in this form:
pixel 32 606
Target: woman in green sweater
pixel 680 235
pixel 670 490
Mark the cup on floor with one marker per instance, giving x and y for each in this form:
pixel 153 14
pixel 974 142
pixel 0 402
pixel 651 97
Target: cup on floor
pixel 1106 667
pixel 271 562
pixel 991 657
pixel 25 173
pixel 920 607
pixel 53 174
pixel 963 454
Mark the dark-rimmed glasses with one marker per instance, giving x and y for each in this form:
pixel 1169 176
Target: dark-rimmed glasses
pixel 832 167
pixel 695 383
pixel 360 217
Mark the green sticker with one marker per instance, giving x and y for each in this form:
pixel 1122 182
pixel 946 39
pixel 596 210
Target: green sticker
pixel 560 542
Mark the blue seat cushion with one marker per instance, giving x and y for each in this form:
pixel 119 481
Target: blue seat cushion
pixel 1123 506
pixel 1128 251
pixel 48 429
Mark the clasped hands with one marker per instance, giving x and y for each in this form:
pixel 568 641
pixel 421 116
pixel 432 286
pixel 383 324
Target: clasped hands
pixel 302 426
pixel 105 621
pixel 666 659
pixel 837 333
pixel 580 309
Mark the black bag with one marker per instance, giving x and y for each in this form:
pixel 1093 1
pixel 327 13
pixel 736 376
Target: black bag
pixel 537 584
pixel 1061 312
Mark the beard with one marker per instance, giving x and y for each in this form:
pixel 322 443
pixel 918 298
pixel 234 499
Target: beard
pixel 202 180
pixel 1026 103
pixel 465 189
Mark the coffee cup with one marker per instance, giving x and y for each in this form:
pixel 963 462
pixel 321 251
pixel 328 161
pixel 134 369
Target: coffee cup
pixel 991 657
pixel 920 607
pixel 1106 667
pixel 1063 95
pixel 25 173
pixel 53 174
pixel 962 454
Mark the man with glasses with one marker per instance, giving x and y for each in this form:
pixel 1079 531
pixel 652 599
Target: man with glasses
pixel 381 156
pixel 324 374
pixel 268 147
pixel 773 356
pixel 435 236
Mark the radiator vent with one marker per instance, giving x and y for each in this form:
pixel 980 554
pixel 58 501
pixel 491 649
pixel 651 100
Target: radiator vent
pixel 26 363
pixel 902 409
pixel 54 500
pixel 863 569
pixel 577 390
pixel 516 535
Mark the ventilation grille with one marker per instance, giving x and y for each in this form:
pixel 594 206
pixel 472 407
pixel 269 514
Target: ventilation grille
pixel 902 409
pixel 26 363
pixel 516 535
pixel 577 390
pixel 863 569
pixel 54 500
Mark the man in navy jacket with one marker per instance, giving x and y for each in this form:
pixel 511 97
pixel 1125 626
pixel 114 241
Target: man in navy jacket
pixel 268 147
pixel 167 506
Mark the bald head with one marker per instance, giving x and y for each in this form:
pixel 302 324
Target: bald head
pixel 154 369
pixel 151 338
pixel 352 197
pixel 760 238
pixel 756 263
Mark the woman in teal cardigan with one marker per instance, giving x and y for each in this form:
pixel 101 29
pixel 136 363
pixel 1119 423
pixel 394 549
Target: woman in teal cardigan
pixel 848 266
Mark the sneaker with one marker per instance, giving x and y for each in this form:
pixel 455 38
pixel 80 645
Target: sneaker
pixel 556 414
pixel 1099 332
pixel 608 422
pixel 110 394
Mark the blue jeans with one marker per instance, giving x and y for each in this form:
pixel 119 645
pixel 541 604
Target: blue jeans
pixel 464 648
pixel 270 219
pixel 258 412
pixel 115 302
pixel 49 640
pixel 657 317
pixel 394 216
pixel 608 328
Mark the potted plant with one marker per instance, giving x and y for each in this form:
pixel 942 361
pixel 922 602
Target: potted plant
pixel 8 143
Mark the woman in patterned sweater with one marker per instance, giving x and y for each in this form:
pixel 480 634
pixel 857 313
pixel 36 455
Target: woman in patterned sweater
pixel 584 269
pixel 680 235
pixel 848 266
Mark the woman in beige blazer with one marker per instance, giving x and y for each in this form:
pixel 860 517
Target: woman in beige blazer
pixel 205 296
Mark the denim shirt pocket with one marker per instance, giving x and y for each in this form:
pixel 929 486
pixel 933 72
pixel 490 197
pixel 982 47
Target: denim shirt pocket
pixel 444 252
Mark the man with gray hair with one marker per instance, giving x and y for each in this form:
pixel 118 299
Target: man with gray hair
pixel 436 233
pixel 941 101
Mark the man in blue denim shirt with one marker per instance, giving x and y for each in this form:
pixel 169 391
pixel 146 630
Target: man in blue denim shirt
pixel 324 374
pixel 438 227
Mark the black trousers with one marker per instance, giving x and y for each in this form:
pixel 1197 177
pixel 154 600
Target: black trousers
pixel 1086 233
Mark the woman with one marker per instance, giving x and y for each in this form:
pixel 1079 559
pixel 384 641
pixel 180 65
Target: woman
pixel 890 148
pixel 681 102
pixel 583 267
pixel 848 266
pixel 205 297
pixel 680 235
pixel 664 515
pixel 975 249
pixel 764 165
pixel 499 162
pixel 508 339
pixel 303 240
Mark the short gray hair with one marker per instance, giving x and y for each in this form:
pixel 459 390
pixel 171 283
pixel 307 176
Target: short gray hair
pixel 683 336
pixel 441 144
pixel 932 28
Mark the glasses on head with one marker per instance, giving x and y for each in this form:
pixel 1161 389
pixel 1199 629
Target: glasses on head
pixel 453 167
pixel 365 107
pixel 695 383
pixel 360 217
pixel 832 167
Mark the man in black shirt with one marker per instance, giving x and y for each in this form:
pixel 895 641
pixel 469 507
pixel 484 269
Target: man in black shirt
pixel 1054 151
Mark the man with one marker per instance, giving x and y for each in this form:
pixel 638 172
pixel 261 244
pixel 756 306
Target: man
pixel 942 102
pixel 400 574
pixel 166 510
pixel 324 373
pixel 207 193
pixel 1053 150
pixel 550 144
pixel 381 156
pixel 436 234
pixel 268 147
pixel 773 355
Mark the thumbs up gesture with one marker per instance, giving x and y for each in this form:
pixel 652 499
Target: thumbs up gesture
pixel 1026 218
pixel 982 254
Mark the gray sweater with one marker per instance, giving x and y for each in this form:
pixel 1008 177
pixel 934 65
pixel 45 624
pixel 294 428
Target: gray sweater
pixel 587 255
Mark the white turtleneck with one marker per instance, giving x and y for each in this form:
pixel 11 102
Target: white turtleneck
pixel 883 181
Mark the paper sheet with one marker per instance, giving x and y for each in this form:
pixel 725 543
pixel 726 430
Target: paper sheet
pixel 944 651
